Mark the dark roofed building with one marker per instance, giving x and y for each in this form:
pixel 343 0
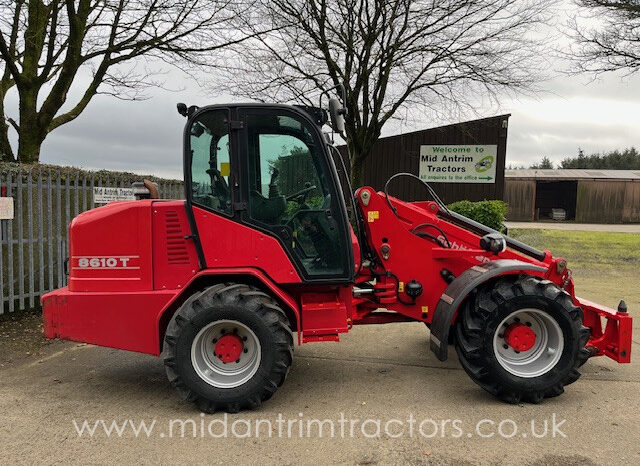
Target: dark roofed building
pixel 454 176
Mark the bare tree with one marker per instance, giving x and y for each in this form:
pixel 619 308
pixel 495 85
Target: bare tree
pixel 46 45
pixel 390 55
pixel 607 36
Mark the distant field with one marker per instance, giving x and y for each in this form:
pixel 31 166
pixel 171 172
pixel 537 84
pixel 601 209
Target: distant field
pixel 605 266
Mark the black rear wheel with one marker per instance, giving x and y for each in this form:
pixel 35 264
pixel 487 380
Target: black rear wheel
pixel 521 339
pixel 228 348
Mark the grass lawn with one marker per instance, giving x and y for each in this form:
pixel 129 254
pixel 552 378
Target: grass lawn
pixel 605 266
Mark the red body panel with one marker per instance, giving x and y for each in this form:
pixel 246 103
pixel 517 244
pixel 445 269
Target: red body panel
pixel 229 244
pixel 131 320
pixel 131 263
pixel 413 258
pixel 125 320
pixel 324 313
pixel 614 340
pixel 128 261
pixel 110 248
pixel 383 227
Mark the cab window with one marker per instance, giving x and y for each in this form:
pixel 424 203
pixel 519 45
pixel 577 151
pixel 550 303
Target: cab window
pixel 210 164
pixel 289 192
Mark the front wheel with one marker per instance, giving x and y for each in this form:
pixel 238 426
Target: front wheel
pixel 228 347
pixel 521 339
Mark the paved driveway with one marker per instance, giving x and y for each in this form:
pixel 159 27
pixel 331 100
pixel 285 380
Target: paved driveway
pixel 378 374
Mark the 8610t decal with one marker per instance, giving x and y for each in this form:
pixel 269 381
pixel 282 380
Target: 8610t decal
pixel 106 262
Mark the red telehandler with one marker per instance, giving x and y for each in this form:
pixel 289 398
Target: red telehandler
pixel 264 253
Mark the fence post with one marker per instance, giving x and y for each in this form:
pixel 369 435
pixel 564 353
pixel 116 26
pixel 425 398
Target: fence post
pixel 50 229
pixel 84 193
pixel 93 182
pixel 18 217
pixel 30 221
pixel 41 224
pixel 76 205
pixel 64 231
pixel 58 224
pixel 10 262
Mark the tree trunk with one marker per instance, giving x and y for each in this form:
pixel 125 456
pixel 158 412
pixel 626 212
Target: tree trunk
pixel 357 172
pixel 360 142
pixel 358 154
pixel 32 132
pixel 29 143
pixel 6 153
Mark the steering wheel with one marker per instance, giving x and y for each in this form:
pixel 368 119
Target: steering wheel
pixel 302 194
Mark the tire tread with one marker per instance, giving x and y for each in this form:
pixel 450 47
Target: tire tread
pixel 253 300
pixel 470 332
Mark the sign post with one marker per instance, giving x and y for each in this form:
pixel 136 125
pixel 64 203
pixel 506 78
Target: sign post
pixel 103 195
pixel 458 163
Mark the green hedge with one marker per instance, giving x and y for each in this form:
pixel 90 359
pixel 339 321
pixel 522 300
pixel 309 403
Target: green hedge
pixel 489 213
pixel 64 172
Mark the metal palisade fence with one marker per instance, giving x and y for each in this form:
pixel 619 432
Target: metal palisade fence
pixel 33 245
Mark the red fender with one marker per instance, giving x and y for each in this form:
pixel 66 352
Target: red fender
pixel 167 311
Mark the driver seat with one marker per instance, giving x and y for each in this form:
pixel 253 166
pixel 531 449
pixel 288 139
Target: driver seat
pixel 268 210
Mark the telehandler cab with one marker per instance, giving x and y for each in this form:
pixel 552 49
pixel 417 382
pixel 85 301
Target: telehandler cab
pixel 262 255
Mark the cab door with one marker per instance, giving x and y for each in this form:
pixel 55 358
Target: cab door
pixel 290 187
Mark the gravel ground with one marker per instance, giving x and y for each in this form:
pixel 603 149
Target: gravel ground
pixel 382 373
pixel 377 373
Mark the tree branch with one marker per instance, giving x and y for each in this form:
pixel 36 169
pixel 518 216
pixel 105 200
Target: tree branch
pixel 9 60
pixel 13 123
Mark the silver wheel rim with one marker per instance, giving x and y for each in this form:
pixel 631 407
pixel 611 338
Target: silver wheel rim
pixel 542 356
pixel 211 369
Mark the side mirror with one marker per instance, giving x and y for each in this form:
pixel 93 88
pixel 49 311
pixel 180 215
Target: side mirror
pixel 337 111
pixel 186 111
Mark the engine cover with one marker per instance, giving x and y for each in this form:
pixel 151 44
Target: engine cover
pixel 110 248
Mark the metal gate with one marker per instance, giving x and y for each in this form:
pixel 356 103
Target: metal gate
pixel 33 246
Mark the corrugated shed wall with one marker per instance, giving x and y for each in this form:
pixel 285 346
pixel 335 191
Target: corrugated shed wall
pixel 401 153
pixel 608 201
pixel 520 196
pixel 631 208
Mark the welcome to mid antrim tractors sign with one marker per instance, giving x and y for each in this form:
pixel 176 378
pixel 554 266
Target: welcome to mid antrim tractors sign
pixel 458 164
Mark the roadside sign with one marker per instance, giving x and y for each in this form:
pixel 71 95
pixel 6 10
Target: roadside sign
pixel 102 195
pixel 458 163
pixel 6 208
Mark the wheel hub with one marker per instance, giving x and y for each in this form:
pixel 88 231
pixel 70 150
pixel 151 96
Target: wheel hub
pixel 528 342
pixel 226 353
pixel 229 348
pixel 520 337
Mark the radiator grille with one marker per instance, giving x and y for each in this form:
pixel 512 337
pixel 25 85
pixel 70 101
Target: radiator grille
pixel 176 244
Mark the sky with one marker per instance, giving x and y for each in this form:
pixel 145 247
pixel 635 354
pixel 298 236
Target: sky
pixel 145 137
